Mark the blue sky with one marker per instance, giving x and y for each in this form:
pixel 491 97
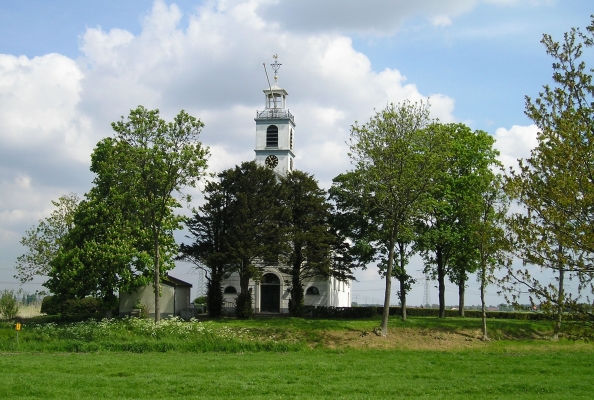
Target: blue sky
pixel 69 68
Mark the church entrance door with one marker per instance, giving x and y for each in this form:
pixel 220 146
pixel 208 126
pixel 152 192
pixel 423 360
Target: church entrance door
pixel 270 294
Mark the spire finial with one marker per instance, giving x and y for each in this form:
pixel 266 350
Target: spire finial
pixel 275 67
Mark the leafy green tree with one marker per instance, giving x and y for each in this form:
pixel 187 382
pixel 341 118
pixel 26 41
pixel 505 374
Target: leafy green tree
pixel 9 307
pixel 99 256
pixel 150 160
pixel 313 246
pixel 447 239
pixel 379 201
pixel 44 240
pixel 555 185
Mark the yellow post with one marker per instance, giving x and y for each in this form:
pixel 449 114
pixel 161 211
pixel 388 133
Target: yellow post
pixel 17 326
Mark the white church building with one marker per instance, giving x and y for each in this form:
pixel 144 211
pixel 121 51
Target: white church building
pixel 275 141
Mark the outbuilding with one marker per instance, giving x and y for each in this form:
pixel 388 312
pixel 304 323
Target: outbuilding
pixel 174 300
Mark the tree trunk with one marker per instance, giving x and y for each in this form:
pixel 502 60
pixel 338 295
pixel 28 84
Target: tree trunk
pixel 386 312
pixel 403 296
pixel 243 305
pixel 461 292
pixel 214 294
pixel 296 308
pixel 403 278
pixel 441 281
pixel 156 276
pixel 483 305
pixel 560 299
pixel 109 302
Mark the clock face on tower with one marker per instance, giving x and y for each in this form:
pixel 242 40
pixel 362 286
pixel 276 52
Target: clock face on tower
pixel 271 161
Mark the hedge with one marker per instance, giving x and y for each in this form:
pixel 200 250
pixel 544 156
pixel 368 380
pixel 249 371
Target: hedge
pixel 371 311
pixel 88 305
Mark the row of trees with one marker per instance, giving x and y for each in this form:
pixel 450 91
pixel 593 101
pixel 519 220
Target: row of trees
pixel 437 189
pixel 419 186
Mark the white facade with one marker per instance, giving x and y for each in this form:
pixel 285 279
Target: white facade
pixel 275 141
pixel 272 295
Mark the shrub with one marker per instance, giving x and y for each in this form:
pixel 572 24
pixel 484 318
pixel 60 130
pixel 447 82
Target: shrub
pixel 340 312
pixel 368 312
pixel 51 305
pixel 9 306
pixel 244 308
pixel 214 299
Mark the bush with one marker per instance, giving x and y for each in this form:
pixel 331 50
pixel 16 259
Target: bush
pixel 244 308
pixel 9 306
pixel 368 312
pixel 51 305
pixel 214 299
pixel 340 312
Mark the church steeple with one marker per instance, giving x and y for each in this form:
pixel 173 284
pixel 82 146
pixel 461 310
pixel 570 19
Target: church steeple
pixel 275 128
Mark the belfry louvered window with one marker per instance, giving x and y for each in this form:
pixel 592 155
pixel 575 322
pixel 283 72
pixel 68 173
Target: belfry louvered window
pixel 272 136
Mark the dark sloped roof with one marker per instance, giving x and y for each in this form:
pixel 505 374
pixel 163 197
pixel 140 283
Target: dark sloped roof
pixel 171 281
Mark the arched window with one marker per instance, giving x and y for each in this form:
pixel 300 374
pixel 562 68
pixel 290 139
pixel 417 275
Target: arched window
pixel 312 290
pixel 230 290
pixel 272 136
pixel 270 279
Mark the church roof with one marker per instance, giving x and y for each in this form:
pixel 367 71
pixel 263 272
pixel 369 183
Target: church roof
pixel 275 89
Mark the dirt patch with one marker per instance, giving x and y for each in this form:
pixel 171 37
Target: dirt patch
pixel 405 339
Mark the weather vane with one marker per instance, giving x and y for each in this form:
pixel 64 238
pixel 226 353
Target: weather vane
pixel 275 67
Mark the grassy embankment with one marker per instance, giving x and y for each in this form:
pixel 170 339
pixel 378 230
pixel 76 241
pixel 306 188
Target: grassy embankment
pixel 423 357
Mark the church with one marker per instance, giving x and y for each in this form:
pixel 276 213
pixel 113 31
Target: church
pixel 275 149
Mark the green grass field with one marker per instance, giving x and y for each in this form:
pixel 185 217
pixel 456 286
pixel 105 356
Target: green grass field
pixel 294 358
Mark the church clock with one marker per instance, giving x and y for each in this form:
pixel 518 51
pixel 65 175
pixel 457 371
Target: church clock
pixel 271 161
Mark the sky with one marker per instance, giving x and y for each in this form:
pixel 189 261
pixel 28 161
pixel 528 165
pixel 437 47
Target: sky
pixel 69 68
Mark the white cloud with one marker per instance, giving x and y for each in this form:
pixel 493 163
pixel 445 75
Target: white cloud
pixel 441 20
pixel 376 17
pixel 515 143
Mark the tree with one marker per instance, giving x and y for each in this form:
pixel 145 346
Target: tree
pixel 447 240
pixel 490 234
pixel 101 255
pixel 151 159
pixel 255 237
pixel 9 306
pixel 555 185
pixel 313 245
pixel 44 240
pixel 395 160
pixel 208 229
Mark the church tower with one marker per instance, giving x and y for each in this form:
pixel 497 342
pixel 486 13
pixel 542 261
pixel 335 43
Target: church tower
pixel 275 128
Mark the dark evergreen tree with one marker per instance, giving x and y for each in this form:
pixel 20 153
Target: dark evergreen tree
pixel 314 248
pixel 208 230
pixel 256 233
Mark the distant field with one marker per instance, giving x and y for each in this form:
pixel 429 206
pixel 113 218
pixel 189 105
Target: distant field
pixel 293 358
pixel 29 311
